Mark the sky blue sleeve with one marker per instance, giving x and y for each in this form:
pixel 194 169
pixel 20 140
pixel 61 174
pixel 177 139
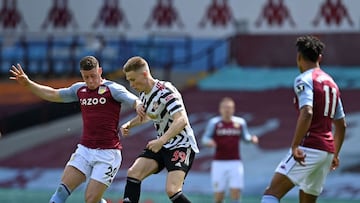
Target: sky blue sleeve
pixel 209 130
pixel 69 94
pixel 339 111
pixel 304 91
pixel 121 94
pixel 244 128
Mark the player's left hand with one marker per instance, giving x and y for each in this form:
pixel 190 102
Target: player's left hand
pixel 255 139
pixel 335 163
pixel 299 155
pixel 155 145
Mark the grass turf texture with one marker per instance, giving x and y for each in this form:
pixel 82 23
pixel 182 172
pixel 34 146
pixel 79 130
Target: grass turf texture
pixel 35 196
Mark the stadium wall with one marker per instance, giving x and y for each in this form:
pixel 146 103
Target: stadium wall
pixel 279 50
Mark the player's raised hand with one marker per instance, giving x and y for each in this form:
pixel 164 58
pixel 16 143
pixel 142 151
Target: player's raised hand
pixel 19 75
pixel 299 156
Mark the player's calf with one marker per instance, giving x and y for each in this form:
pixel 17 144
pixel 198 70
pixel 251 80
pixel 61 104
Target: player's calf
pixel 61 194
pixel 179 197
pixel 132 190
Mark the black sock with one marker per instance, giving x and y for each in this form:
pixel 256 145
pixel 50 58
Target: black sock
pixel 132 190
pixel 179 197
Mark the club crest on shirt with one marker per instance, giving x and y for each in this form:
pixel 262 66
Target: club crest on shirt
pixel 152 116
pixel 102 90
pixel 155 106
pixel 299 88
pixel 236 125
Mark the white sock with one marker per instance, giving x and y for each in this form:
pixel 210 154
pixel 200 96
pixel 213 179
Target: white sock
pixel 103 201
pixel 269 199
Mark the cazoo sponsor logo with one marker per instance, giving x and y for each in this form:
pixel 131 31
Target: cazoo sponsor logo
pixel 92 101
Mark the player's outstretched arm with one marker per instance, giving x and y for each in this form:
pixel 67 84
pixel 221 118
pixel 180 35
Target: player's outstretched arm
pixel 125 128
pixel 42 91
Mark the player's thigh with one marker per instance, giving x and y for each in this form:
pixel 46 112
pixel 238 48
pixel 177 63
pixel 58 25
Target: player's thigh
pixel 236 175
pixel 174 181
pixel 72 177
pixel 218 176
pixel 106 165
pixel 78 167
pixel 319 163
pixel 94 191
pixel 142 168
pixel 178 162
pixel 178 159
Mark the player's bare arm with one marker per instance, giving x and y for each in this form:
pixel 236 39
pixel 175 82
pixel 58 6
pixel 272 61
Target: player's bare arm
pixel 179 123
pixel 209 143
pixel 302 127
pixel 339 135
pixel 137 120
pixel 42 91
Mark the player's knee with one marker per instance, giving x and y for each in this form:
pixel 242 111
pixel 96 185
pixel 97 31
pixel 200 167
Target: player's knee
pixel 268 190
pixel 133 173
pixel 272 192
pixel 219 196
pixel 172 190
pixel 92 198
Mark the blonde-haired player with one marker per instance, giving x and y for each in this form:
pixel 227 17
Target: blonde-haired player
pixel 224 133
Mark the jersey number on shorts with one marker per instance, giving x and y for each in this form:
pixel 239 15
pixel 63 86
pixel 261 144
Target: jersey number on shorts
pixel 180 156
pixel 111 172
pixel 327 101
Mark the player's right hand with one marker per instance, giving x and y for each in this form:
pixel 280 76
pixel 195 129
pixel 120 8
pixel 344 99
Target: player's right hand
pixel 299 156
pixel 125 129
pixel 19 75
pixel 211 143
pixel 140 110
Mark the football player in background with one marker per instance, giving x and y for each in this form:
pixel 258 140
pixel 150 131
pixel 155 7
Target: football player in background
pixel 224 133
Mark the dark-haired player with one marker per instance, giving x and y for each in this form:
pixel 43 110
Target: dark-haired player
pixel 314 149
pixel 98 154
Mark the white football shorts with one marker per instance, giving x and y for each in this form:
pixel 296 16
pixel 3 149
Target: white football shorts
pixel 97 164
pixel 227 173
pixel 311 177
